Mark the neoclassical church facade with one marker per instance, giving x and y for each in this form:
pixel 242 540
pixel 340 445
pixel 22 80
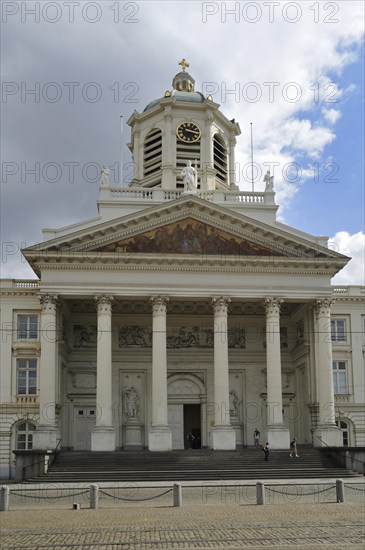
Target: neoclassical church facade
pixel 183 306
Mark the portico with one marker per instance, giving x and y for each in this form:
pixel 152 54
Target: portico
pixel 232 358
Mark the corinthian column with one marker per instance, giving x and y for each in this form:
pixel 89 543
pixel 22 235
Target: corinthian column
pixel 160 438
pixel 47 434
pixel 224 437
pixel 103 435
pixel 277 434
pixel 326 433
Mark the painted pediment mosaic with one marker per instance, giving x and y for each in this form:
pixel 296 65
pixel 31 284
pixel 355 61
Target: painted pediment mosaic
pixel 189 236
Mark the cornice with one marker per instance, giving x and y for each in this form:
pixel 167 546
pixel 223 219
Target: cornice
pixel 186 263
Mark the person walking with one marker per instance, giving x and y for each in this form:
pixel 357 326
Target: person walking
pixel 293 449
pixel 256 438
pixel 266 450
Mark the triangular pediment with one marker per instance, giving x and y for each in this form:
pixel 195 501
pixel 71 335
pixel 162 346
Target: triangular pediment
pixel 191 228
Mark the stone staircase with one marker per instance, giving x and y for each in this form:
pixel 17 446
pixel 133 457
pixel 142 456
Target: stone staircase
pixel 190 465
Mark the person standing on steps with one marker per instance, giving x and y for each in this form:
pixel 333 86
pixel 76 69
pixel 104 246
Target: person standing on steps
pixel 256 438
pixel 190 439
pixel 293 449
pixel 266 450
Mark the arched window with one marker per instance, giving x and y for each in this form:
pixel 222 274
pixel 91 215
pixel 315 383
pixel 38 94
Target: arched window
pixel 152 154
pixel 344 427
pixel 220 158
pixel 24 436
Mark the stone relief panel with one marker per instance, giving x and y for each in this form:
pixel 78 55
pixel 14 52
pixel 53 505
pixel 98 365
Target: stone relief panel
pixel 178 337
pixel 190 337
pixel 84 336
pixel 135 336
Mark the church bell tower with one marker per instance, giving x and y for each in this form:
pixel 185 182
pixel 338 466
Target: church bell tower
pixel 183 126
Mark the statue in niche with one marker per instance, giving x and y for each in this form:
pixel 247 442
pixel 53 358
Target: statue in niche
pixel 234 404
pixel 105 173
pixel 189 174
pixel 131 402
pixel 269 182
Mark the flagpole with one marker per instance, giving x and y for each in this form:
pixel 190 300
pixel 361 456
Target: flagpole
pixel 253 186
pixel 121 151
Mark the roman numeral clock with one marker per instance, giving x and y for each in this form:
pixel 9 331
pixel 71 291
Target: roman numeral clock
pixel 188 132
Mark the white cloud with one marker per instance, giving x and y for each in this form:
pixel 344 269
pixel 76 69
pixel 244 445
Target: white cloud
pixel 331 115
pixel 354 247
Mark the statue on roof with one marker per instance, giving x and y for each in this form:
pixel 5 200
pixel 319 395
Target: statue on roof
pixel 269 182
pixel 189 174
pixel 104 176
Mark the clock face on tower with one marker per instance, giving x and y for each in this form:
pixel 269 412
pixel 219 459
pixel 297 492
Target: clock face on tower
pixel 188 132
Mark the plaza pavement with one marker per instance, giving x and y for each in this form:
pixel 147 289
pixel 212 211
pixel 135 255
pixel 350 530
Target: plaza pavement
pixel 298 515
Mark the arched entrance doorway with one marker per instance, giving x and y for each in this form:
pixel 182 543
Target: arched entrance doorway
pixel 186 409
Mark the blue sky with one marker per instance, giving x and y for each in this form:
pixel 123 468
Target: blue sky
pixel 337 199
pixel 301 44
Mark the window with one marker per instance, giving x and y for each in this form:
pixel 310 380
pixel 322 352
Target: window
pixel 152 158
pixel 220 158
pixel 345 432
pixel 27 376
pixel 24 436
pixel 339 369
pixel 338 330
pixel 27 327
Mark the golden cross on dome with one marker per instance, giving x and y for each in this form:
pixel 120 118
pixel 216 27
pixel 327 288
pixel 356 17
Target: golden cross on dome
pixel 184 64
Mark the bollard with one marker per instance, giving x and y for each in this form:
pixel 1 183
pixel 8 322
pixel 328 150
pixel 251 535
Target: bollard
pixel 260 493
pixel 4 499
pixel 340 492
pixel 94 496
pixel 177 495
pixel 76 506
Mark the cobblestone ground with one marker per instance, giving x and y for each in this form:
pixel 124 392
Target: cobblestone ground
pixel 273 526
pixel 215 515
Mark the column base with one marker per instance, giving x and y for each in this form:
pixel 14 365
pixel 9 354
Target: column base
pixel 224 438
pixel 330 436
pixel 103 439
pixel 46 438
pixel 278 437
pixel 160 438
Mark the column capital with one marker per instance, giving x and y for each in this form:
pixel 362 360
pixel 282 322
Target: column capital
pixel 159 304
pixel 104 303
pixel 220 304
pixel 323 307
pixel 48 302
pixel 273 305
